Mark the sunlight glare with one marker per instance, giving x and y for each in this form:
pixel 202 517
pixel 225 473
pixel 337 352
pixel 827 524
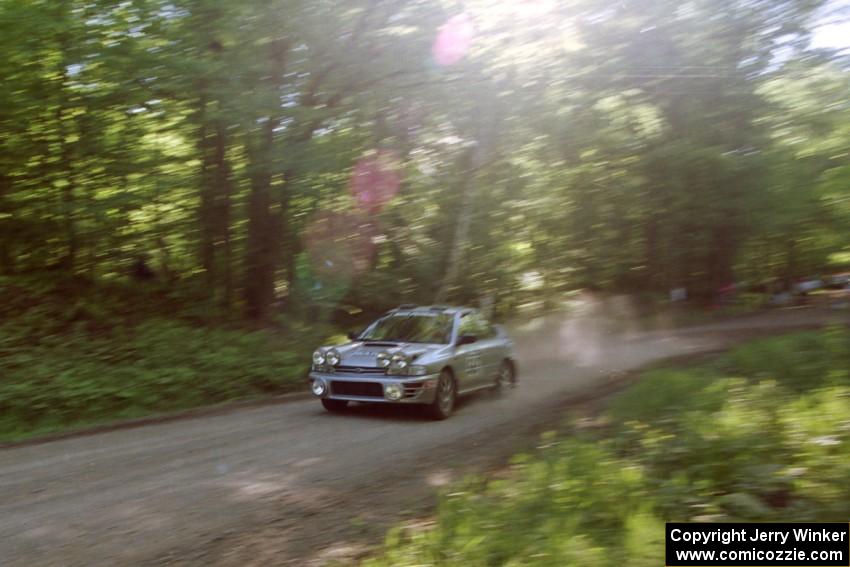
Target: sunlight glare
pixel 453 40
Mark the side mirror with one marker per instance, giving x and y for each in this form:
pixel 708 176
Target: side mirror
pixel 352 335
pixel 466 340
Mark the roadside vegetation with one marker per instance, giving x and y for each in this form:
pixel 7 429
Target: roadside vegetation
pixel 759 434
pixel 70 359
pixel 192 191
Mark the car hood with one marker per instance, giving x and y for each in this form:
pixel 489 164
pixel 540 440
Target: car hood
pixel 365 353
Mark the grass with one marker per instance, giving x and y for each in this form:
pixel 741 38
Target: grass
pixel 69 360
pixel 759 434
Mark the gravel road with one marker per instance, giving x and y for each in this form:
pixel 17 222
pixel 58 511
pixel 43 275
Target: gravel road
pixel 292 484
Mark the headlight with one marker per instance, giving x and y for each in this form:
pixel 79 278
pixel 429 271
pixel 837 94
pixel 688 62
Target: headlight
pixel 383 359
pixel 332 357
pixel 399 361
pixel 319 388
pixel 393 391
pixel 416 370
pixel 318 358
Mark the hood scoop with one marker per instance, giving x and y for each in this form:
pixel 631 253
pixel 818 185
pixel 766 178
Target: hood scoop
pixel 379 344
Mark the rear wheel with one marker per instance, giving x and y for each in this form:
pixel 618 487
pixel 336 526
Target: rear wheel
pixel 334 405
pixel 444 399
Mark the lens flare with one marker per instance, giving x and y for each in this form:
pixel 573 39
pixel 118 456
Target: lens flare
pixel 376 179
pixel 453 40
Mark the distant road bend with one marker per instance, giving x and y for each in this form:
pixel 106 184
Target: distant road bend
pixel 281 484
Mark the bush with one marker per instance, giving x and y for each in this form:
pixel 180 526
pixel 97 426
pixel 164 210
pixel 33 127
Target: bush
pixel 78 377
pixel 761 434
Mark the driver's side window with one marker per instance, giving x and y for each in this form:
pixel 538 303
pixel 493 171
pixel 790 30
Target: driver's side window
pixel 467 325
pixel 488 330
pixel 474 324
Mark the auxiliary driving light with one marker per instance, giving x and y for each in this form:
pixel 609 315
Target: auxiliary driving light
pixel 319 388
pixel 393 391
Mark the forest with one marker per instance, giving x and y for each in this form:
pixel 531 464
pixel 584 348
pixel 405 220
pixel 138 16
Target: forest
pixel 255 162
pixel 196 194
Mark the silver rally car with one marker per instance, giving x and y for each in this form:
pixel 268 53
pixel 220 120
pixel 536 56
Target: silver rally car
pixel 415 355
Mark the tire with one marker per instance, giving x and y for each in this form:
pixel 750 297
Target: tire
pixel 506 379
pixel 444 398
pixel 335 405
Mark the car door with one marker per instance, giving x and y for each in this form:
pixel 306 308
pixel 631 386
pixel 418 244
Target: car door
pixel 492 349
pixel 471 357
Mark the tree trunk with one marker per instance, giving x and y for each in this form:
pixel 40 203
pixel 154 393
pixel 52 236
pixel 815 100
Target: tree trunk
pixel 265 213
pixel 721 262
pixel 215 211
pixel 651 251
pixel 7 258
pixel 464 219
pixel 483 150
pixel 263 236
pixel 221 215
pixel 66 165
pixel 291 241
pixel 205 212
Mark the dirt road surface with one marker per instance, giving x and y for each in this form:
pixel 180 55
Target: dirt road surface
pixel 290 484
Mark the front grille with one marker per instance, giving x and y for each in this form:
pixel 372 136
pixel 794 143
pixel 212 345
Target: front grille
pixel 368 370
pixel 364 389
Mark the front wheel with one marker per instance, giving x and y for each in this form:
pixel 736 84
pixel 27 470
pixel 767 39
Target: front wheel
pixel 444 399
pixel 506 378
pixel 335 405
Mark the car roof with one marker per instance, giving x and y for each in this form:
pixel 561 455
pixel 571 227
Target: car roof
pixel 445 309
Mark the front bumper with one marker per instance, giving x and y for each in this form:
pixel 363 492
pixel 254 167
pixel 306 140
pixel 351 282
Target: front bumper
pixel 360 388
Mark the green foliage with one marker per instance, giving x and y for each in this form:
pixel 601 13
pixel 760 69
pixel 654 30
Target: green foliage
pixel 207 135
pixel 70 360
pixel 743 438
pixel 799 362
pixel 157 366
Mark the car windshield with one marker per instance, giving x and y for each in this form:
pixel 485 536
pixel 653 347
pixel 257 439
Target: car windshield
pixel 410 328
